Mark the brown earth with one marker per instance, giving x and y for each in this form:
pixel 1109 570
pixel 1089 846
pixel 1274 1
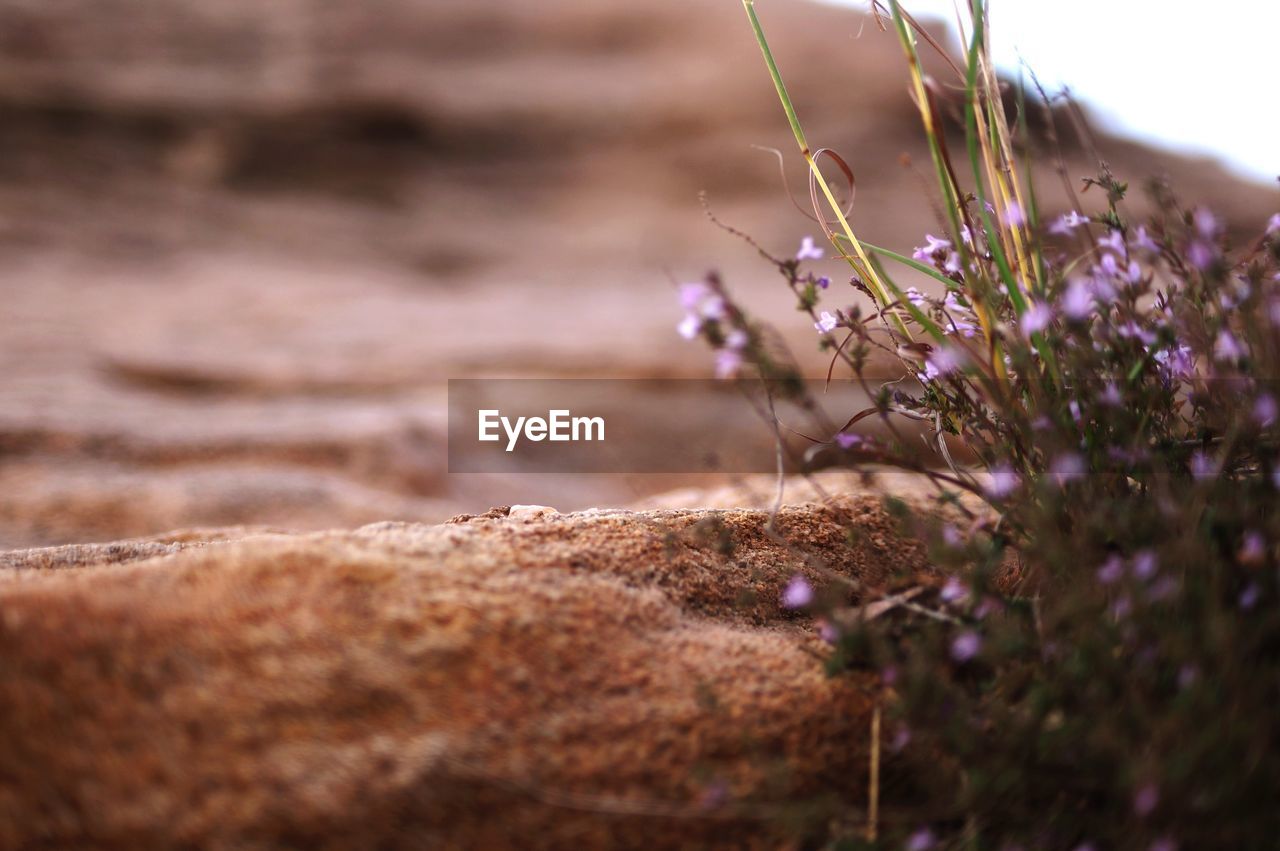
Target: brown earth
pixel 518 680
pixel 244 244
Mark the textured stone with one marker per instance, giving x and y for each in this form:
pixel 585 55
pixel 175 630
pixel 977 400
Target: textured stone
pixel 584 680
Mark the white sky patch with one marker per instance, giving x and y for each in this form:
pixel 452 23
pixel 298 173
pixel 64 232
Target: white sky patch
pixel 1195 77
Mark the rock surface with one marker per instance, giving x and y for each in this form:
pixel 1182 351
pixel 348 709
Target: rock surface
pixel 585 680
pixel 244 244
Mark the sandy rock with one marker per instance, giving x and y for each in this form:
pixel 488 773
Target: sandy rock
pixel 606 679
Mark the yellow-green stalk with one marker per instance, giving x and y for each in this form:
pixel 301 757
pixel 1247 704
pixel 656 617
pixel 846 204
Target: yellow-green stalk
pixel 862 265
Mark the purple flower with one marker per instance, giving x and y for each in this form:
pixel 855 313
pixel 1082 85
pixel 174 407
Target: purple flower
pixel 728 362
pixel 1249 596
pixel 1145 800
pixel 1265 410
pixel 1111 395
pixel 809 251
pixel 1203 466
pixel 1143 240
pixel 901 738
pixel 1131 329
pixel 737 339
pixel 1253 549
pixel 1207 224
pixel 951 265
pixel 1066 224
pixel 1145 564
pixel 952 538
pixel 1226 347
pixel 1111 571
pixel 1273 225
pixel 1005 481
pixel 953 590
pixel 827 322
pixel 1114 241
pixel 847 440
pixel 828 631
pixel 1176 363
pixel 1036 319
pixel 693 294
pixel 1202 254
pixel 916 297
pixel 822 281
pixel 689 326
pixel 1013 215
pixel 961 323
pixel 1077 301
pixel 1067 467
pixel 797 594
pixel 921 840
pixel 940 362
pixel 965 646
pixel 933 245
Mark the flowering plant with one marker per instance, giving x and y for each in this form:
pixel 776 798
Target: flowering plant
pixel 1102 664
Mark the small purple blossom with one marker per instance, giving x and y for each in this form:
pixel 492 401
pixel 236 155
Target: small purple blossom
pixel 1013 215
pixel 1005 481
pixel 1077 301
pixel 933 245
pixel 1111 571
pixel 1265 410
pixel 728 362
pixel 1207 224
pixel 1145 800
pixel 1066 467
pixel 1273 225
pixel 809 251
pixel 1067 223
pixel 1145 565
pixel 1253 548
pixel 822 282
pixel 958 324
pixel 1036 319
pixel 921 840
pixel 1143 240
pixel 689 326
pixel 692 294
pixel 953 591
pixel 847 440
pixel 1113 241
pixel 1203 466
pixel 965 646
pixel 952 538
pixel 1249 596
pixel 1226 347
pixel 940 362
pixel 1176 363
pixel 828 632
pixel 737 339
pixel 797 594
pixel 1202 254
pixel 715 308
pixel 827 322
pixel 901 738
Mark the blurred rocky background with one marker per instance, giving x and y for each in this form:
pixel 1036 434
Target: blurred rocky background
pixel 243 244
